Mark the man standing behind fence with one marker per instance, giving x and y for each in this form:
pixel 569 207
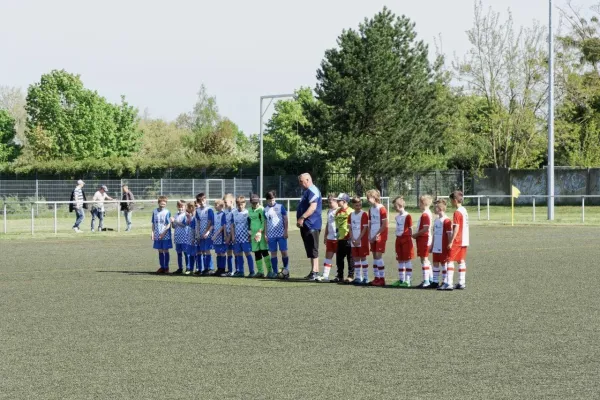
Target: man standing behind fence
pixel 127 206
pixel 98 207
pixel 310 221
pixel 77 204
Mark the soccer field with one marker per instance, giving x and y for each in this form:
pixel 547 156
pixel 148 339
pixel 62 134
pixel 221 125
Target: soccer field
pixel 83 317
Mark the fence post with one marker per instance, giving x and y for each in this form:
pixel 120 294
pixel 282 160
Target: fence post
pixel 280 193
pixel 32 217
pixel 4 213
pixel 234 189
pixel 388 204
pixel 533 208
pixel 37 196
pixel 463 180
pixel 478 208
pixel 488 207
pixel 161 187
pixel 193 187
pixel 55 219
pixel 582 208
pixel 288 204
pixel 119 217
pixel 418 188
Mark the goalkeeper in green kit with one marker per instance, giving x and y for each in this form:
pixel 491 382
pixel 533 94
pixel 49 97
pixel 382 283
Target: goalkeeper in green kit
pixel 256 215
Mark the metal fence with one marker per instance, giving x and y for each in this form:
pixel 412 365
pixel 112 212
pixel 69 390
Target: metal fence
pixel 410 186
pixel 570 184
pixel 54 216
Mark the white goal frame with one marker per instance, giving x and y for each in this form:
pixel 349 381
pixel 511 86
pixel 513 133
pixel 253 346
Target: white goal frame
pixel 221 181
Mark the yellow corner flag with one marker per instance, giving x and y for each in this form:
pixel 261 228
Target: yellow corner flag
pixel 515 192
pixel 514 195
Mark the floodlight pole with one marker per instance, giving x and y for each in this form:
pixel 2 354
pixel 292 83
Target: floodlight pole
pixel 550 117
pixel 262 114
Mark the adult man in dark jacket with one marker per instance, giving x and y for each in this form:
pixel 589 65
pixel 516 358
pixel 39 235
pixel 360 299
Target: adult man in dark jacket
pixel 127 206
pixel 78 204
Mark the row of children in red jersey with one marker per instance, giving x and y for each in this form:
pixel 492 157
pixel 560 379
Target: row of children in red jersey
pixel 366 232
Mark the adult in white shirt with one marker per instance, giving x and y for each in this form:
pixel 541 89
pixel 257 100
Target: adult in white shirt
pixel 98 206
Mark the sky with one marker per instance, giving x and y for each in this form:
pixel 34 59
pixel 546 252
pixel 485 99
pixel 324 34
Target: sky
pixel 157 53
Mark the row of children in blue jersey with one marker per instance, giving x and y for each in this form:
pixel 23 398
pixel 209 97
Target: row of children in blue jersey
pixel 200 229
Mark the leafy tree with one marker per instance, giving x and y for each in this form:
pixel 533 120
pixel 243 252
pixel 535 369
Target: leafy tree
pixel 13 101
pixel 505 70
pixel 205 115
pixel 377 98
pixel 161 139
pixel 467 145
pixel 210 134
pixel 286 142
pixel 577 123
pixel 74 122
pixel 8 149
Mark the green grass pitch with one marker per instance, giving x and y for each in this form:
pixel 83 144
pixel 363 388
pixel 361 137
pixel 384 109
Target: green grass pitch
pixel 81 317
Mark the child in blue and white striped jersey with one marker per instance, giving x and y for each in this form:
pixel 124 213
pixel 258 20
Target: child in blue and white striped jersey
pixel 178 223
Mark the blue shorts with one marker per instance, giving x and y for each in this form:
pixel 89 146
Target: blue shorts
pixel 189 249
pixel 230 247
pixel 162 244
pixel 220 248
pixel 205 245
pixel 180 247
pixel 278 242
pixel 242 248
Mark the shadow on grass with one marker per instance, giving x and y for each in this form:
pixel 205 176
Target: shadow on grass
pixel 283 281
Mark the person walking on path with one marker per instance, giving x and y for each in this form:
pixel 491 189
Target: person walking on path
pixel 78 204
pixel 127 206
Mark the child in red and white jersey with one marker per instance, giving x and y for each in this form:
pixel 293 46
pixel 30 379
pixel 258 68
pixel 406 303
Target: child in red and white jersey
pixel 378 234
pixel 331 240
pixel 359 228
pixel 442 229
pixel 459 242
pixel 404 245
pixel 424 238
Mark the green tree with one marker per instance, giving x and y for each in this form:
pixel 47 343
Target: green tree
pixel 286 142
pixel 205 115
pixel 577 122
pixel 75 122
pixel 209 134
pixel 13 101
pixel 8 148
pixel 378 98
pixel 505 71
pixel 161 139
pixel 467 146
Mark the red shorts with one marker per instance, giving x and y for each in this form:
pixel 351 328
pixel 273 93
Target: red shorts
pixel 404 249
pixel 378 246
pixel 422 247
pixel 457 253
pixel 360 252
pixel 440 257
pixel 331 246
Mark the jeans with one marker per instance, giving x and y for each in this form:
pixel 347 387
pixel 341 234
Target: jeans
pixel 80 216
pixel 127 215
pixel 97 213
